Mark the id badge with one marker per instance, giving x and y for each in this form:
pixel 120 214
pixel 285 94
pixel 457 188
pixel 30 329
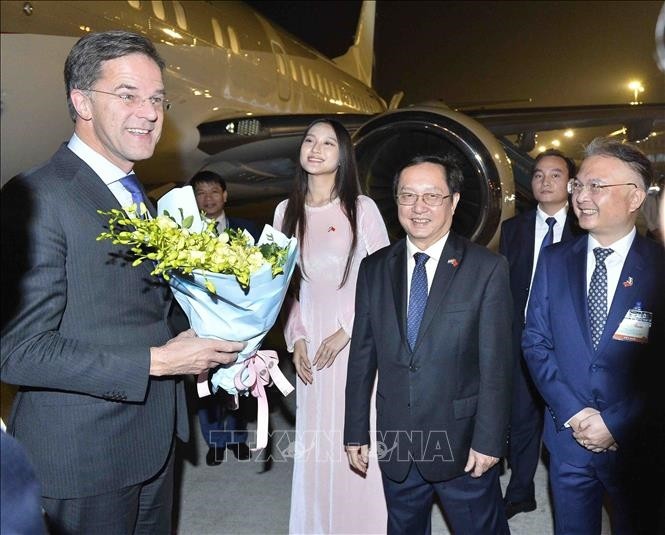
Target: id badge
pixel 635 326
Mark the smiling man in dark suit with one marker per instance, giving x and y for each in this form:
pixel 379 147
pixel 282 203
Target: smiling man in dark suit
pixel 86 335
pixel 593 342
pixel 433 318
pixel 522 238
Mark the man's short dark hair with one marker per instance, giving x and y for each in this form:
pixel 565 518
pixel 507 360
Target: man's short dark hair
pixel 84 62
pixel 453 171
pixel 570 164
pixel 627 153
pixel 207 177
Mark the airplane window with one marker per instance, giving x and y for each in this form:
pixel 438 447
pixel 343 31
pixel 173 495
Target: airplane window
pixel 158 9
pixel 326 86
pixel 280 64
pixel 217 32
pixel 319 83
pixel 303 75
pixel 233 38
pixel 312 80
pixel 294 72
pixel 136 4
pixel 180 17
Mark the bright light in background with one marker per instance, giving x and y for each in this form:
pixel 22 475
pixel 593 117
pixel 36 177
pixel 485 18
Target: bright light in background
pixel 172 33
pixel 636 87
pixel 569 133
pixel 542 148
pixel 556 143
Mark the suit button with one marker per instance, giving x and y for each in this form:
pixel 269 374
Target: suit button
pixel 594 368
pixel 413 368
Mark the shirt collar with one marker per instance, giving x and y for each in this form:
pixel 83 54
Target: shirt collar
pixel 560 216
pixel 620 247
pixel 434 251
pixel 107 171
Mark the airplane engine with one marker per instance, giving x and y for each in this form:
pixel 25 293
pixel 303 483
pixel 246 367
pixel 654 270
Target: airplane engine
pixel 386 142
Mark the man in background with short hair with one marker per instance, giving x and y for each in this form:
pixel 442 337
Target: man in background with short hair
pixel 222 425
pixel 522 238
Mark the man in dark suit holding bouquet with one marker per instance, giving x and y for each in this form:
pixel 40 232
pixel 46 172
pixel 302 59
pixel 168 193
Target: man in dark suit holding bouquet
pixel 221 428
pixel 433 320
pixel 85 334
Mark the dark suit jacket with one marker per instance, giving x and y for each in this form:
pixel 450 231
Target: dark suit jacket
pixel 516 244
pixel 245 224
pixel 77 332
pixel 452 392
pixel 557 347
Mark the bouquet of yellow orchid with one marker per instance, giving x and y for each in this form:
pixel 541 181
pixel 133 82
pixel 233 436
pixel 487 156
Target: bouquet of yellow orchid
pixel 229 287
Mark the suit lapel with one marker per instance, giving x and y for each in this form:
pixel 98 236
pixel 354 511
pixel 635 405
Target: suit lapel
pixel 576 266
pixel 451 258
pixel 397 274
pixel 625 297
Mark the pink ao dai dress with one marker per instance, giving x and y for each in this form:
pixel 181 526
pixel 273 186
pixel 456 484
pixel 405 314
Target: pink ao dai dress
pixel 326 495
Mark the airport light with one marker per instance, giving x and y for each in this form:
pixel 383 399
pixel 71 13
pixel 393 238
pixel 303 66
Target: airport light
pixel 636 87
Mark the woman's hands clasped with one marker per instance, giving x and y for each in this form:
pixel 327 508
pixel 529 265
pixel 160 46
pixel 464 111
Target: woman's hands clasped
pixel 324 358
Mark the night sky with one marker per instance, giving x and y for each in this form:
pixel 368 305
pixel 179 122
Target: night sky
pixel 554 53
pixel 501 54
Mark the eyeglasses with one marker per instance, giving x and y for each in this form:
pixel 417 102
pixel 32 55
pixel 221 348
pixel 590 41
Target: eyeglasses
pixel 575 187
pixel 430 199
pixel 134 101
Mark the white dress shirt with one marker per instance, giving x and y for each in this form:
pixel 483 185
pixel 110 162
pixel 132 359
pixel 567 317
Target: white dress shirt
pixel 613 262
pixel 108 172
pixel 433 251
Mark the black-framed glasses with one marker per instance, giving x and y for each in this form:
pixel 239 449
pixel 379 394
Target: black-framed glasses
pixel 134 101
pixel 575 187
pixel 430 199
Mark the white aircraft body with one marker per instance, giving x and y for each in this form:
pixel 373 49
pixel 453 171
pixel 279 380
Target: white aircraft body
pixel 243 91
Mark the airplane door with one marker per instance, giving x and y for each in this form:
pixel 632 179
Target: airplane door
pixel 283 80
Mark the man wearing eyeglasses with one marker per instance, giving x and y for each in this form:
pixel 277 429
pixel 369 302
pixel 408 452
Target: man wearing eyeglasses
pixel 87 336
pixel 433 318
pixel 522 238
pixel 593 342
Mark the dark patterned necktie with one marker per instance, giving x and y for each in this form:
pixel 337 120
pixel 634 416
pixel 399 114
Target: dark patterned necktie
pixel 133 186
pixel 417 298
pixel 597 297
pixel 549 237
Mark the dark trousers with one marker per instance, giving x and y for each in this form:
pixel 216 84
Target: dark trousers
pixel 143 509
pixel 578 493
pixel 472 506
pixel 219 425
pixel 526 429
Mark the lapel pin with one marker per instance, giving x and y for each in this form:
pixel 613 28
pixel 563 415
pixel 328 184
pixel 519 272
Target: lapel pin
pixel 628 282
pixel 453 262
pixel 331 229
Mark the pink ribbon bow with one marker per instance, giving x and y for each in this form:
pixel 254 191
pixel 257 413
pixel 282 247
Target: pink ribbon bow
pixel 261 369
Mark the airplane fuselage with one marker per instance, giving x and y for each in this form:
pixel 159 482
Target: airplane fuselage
pixel 223 60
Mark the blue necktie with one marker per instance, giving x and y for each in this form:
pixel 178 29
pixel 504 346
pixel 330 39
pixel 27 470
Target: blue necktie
pixel 549 237
pixel 133 186
pixel 417 298
pixel 598 295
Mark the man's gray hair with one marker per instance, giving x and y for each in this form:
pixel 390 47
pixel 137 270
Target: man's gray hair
pixel 626 152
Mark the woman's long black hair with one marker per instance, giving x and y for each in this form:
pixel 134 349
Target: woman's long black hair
pixel 347 188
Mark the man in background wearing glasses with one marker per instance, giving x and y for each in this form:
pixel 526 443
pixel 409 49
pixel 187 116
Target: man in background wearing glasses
pixel 87 336
pixel 433 319
pixel 522 238
pixel 593 342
